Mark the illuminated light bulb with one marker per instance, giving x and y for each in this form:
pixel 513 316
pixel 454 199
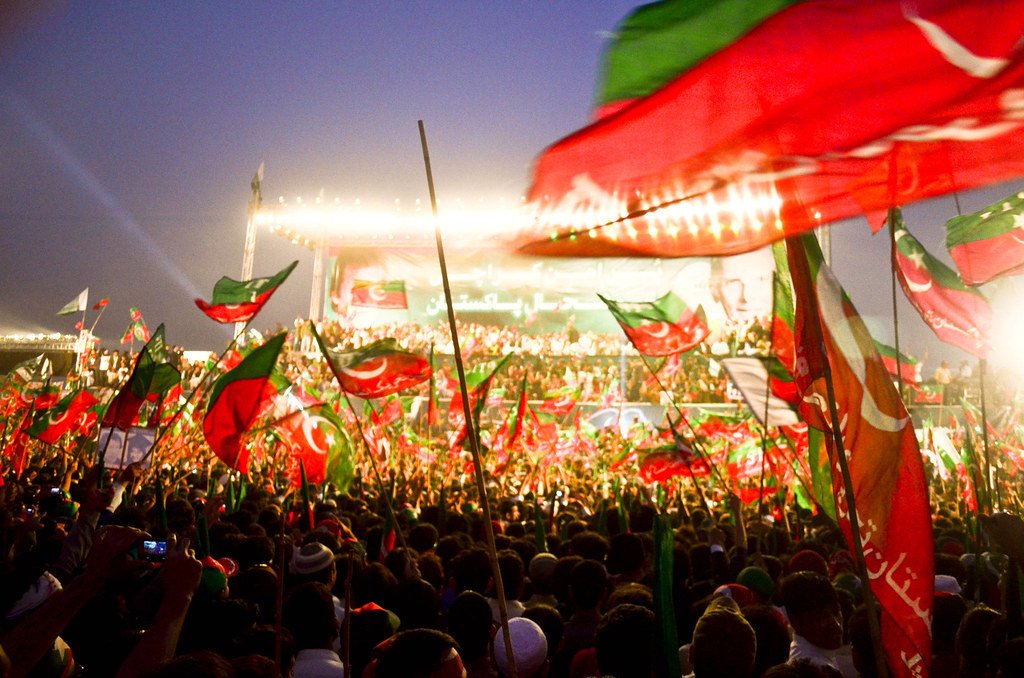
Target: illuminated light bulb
pixel 778 224
pixel 592 233
pixel 631 231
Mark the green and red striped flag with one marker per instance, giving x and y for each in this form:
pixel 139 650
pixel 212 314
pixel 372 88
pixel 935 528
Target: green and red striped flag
pixel 668 461
pixel 665 326
pixel 65 416
pixel 478 385
pixel 958 314
pixel 151 377
pixel 76 305
pixel 885 464
pixel 730 124
pixel 237 399
pixel 907 365
pixel 560 401
pixel 387 294
pixel 990 242
pixel 237 301
pixel 377 369
pixel 137 328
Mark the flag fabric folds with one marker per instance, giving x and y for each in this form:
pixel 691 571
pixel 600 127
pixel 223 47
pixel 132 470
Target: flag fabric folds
pixel 137 328
pixel 905 367
pixel 958 314
pixel 743 143
pixel 881 447
pixel 754 382
pixel 65 416
pixel 235 401
pixel 237 301
pixel 377 369
pixel 76 305
pixel 665 326
pixel 990 242
pixel 151 377
pixel 387 294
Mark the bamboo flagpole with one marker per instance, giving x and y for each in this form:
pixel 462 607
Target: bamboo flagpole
pixel 474 443
pixel 895 314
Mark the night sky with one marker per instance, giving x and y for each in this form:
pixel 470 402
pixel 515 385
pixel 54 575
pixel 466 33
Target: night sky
pixel 129 133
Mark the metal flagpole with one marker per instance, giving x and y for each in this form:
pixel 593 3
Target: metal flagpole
pixel 249 253
pixel 474 443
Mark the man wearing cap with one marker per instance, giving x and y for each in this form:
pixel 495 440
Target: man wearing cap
pixel 314 562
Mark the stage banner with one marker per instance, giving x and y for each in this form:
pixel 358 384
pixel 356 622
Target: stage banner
pixel 539 294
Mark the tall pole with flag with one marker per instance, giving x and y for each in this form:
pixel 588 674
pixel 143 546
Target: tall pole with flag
pixel 474 442
pixel 249 253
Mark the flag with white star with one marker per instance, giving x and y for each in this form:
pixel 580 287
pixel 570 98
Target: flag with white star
pixel 958 314
pixel 988 244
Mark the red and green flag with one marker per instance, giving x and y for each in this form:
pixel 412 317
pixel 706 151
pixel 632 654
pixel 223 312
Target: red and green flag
pixel 478 385
pixel 151 377
pixel 958 314
pixel 560 401
pixel 989 243
pixel 668 461
pixel 377 369
pixel 905 366
pixel 665 326
pixel 887 472
pixel 76 305
pixel 313 436
pixel 715 140
pixel 238 301
pixel 387 294
pixel 64 417
pixel 237 399
pixel 137 329
pixel 102 303
pixel 31 375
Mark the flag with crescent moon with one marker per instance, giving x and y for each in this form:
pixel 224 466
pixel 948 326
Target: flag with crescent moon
pixel 723 126
pixel 665 326
pixel 889 485
pixel 314 436
pixel 236 301
pixel 236 401
pixel 387 294
pixel 377 369
pixel 65 416
pixel 958 314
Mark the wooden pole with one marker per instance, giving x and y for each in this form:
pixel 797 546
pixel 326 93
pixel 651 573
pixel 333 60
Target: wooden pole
pixel 470 429
pixel 992 478
pixel 376 472
pixel 895 314
pixel 858 546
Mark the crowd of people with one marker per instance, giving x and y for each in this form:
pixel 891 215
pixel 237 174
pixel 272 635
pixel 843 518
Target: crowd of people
pixel 113 576
pixel 182 569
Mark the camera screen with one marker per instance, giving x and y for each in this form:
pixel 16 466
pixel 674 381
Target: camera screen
pixel 157 549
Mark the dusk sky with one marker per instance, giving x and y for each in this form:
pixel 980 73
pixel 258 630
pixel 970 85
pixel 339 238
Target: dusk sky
pixel 129 133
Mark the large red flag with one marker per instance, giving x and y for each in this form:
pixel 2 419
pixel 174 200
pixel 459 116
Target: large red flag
pixel 813 113
pixel 884 459
pixel 958 314
pixel 236 400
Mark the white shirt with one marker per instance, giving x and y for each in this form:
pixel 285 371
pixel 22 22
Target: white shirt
pixel 320 663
